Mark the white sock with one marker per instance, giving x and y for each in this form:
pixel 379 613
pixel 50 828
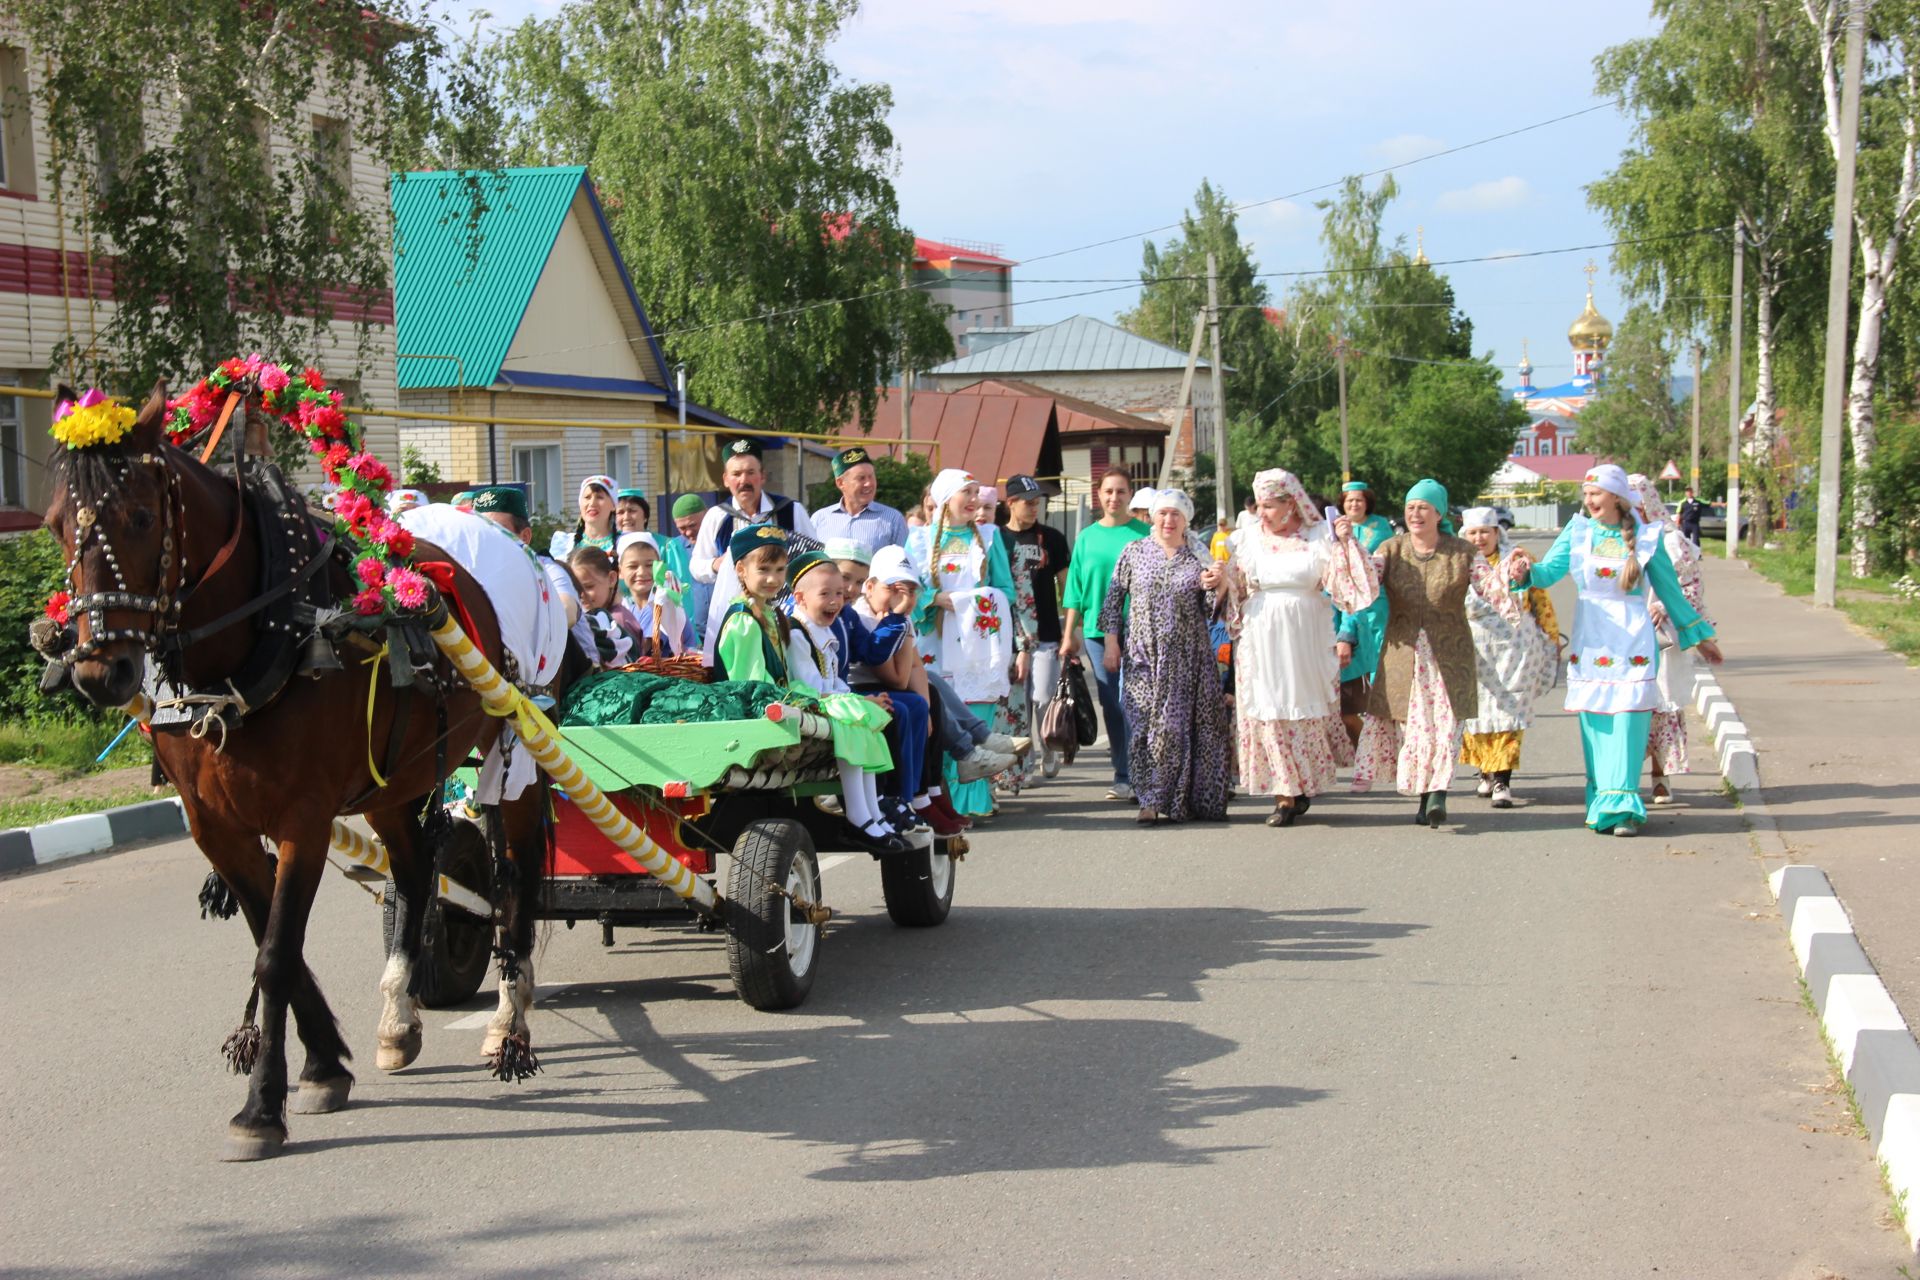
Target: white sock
pixel 856 794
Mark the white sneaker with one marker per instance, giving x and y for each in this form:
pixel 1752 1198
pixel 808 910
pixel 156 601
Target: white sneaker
pixel 1485 788
pixel 1050 763
pixel 982 763
pixel 1627 829
pixel 1502 796
pixel 1008 746
pixel 1120 791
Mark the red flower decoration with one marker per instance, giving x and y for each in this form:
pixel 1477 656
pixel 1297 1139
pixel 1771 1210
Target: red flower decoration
pixel 1604 572
pixel 57 606
pixel 371 601
pixel 313 380
pixel 1573 659
pixel 1640 660
pixel 1603 662
pixel 234 369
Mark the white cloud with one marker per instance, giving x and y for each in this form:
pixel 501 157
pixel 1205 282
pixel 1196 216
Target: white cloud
pixel 1403 147
pixel 1496 193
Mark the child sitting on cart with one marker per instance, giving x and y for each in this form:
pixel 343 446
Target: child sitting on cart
pixel 871 640
pixel 758 642
pixel 653 597
pixel 615 630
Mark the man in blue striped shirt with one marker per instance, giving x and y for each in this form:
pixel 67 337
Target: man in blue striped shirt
pixel 857 516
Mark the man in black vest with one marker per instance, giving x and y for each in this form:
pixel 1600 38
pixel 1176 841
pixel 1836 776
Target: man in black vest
pixel 745 479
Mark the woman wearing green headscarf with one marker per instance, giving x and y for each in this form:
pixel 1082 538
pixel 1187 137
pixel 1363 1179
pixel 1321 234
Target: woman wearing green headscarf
pixel 1357 636
pixel 1425 688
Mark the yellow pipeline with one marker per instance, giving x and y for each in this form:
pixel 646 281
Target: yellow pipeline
pixel 541 738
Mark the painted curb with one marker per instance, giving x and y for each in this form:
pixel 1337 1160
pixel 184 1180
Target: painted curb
pixel 1876 1049
pixel 84 833
pixel 1732 744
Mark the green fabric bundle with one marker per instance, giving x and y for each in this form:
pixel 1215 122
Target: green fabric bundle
pixel 640 697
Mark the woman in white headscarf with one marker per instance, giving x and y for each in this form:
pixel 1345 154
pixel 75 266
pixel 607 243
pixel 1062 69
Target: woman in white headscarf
pixel 1667 734
pixel 1516 646
pixel 1286 672
pixel 1619 564
pixel 1162 600
pixel 965 619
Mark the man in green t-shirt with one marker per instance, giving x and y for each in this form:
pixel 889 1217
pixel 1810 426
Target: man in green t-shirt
pixel 1095 552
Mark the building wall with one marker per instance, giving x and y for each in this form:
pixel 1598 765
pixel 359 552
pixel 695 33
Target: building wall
pixel 571 325
pixel 53 289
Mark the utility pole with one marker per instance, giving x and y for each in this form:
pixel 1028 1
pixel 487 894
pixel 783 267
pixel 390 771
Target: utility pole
pixel 1693 456
pixel 1340 351
pixel 906 409
pixel 1733 392
pixel 1839 277
pixel 1223 483
pixel 1185 402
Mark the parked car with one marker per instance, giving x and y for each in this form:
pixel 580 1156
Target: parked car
pixel 1713 521
pixel 1505 516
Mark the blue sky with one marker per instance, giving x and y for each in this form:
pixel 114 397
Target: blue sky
pixel 1044 125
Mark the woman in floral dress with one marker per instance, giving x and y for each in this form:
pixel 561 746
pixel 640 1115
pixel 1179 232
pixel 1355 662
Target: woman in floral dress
pixel 1162 599
pixel 1286 676
pixel 965 621
pixel 1516 641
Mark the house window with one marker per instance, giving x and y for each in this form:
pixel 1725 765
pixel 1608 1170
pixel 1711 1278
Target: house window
pixel 332 156
pixel 620 464
pixel 16 123
pixel 538 467
pixel 13 456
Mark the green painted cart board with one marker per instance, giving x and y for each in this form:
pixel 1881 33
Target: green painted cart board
pixel 619 757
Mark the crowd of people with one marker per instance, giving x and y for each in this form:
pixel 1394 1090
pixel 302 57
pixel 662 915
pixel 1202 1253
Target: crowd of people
pixel 1303 639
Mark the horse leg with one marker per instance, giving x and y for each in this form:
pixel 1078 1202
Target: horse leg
pixel 410 862
pixel 249 875
pixel 508 1045
pixel 259 1128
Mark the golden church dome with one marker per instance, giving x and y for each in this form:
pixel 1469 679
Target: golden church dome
pixel 1591 331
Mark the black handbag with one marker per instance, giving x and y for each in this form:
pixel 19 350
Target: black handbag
pixel 1073 686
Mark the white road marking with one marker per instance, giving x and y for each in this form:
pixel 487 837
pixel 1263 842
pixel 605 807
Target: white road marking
pixel 476 1021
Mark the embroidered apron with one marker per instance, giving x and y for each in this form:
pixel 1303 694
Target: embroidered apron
pixel 1613 662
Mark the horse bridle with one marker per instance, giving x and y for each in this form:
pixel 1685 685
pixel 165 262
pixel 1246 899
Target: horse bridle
pixel 162 610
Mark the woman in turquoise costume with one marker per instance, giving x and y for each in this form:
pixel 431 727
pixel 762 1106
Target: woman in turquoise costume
pixel 1613 660
pixel 1357 635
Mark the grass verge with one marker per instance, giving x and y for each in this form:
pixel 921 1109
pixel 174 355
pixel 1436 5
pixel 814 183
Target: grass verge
pixel 31 812
pixel 73 745
pixel 1869 603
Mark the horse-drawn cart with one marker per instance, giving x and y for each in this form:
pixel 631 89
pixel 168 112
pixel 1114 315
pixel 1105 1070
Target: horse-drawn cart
pixel 641 814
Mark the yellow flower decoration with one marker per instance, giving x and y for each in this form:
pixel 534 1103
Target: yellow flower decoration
pixel 93 419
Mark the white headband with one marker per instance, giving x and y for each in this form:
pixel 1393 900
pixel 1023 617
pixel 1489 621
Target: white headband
pixel 1171 500
pixel 1479 518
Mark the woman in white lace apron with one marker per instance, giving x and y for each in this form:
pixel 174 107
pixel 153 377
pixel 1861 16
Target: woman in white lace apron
pixel 1613 662
pixel 965 617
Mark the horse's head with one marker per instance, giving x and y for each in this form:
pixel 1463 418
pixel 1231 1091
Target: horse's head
pixel 116 513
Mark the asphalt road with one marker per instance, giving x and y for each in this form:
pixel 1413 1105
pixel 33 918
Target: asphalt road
pixel 1352 1048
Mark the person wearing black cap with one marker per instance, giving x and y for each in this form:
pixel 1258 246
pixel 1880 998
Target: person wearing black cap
pixel 745 480
pixel 1039 556
pixel 857 516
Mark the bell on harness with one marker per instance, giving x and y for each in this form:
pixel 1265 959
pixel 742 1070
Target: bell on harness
pixel 317 657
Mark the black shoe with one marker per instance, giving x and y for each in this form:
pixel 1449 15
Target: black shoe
pixel 1282 815
pixel 1420 818
pixel 1301 804
pixel 1436 809
pixel 873 838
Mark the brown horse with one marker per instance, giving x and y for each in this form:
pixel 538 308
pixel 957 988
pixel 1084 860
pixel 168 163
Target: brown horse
pixel 158 548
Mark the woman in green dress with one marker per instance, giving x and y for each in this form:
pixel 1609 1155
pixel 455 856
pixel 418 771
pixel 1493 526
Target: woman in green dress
pixel 1357 636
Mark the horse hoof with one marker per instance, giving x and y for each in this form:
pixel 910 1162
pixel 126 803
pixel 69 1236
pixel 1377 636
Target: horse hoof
pixel 319 1097
pixel 392 1055
pixel 252 1144
pixel 491 1042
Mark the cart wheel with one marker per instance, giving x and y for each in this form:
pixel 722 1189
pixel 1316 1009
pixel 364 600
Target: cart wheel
pixel 771 948
pixel 458 946
pixel 918 886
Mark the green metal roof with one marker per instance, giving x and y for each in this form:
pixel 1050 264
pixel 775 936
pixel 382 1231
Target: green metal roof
pixel 445 304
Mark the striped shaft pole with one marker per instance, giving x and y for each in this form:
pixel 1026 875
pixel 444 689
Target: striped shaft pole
pixel 542 740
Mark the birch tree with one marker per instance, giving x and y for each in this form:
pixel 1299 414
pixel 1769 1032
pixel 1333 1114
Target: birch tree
pixel 1886 198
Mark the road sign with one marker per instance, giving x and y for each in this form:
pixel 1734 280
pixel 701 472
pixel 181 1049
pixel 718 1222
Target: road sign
pixel 1671 472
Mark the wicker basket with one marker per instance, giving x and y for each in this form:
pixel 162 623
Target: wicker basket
pixel 681 666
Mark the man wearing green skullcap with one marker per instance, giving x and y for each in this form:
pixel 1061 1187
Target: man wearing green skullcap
pixel 503 500
pixel 1426 687
pixel 676 554
pixel 857 516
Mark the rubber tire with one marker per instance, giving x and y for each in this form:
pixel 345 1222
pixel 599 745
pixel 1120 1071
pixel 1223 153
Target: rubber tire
pixel 914 898
pixel 758 957
pixel 462 946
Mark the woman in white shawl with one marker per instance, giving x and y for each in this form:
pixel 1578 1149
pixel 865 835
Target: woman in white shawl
pixel 1516 650
pixel 1667 737
pixel 1286 672
pixel 965 618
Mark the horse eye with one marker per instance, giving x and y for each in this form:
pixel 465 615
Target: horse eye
pixel 141 519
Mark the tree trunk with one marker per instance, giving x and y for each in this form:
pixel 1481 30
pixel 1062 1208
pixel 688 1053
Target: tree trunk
pixel 1766 423
pixel 1878 263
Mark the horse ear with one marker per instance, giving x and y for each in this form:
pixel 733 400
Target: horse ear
pixel 153 416
pixel 62 393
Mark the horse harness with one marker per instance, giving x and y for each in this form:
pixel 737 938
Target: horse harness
pixel 297 619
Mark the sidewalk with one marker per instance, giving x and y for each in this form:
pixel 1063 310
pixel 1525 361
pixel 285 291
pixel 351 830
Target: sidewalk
pixel 1835 721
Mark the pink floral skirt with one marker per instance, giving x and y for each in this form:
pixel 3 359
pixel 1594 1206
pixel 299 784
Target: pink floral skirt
pixel 1667 741
pixel 1292 757
pixel 1419 752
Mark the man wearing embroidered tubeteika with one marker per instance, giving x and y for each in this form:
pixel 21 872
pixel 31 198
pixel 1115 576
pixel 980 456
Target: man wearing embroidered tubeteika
pixel 1612 663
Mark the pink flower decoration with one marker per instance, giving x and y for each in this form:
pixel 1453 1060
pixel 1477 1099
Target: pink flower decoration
pixel 409 588
pixel 371 601
pixel 371 571
pixel 273 378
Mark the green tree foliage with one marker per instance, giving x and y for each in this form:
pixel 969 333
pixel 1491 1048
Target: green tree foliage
pixel 1173 291
pixel 183 140
pixel 748 183
pixel 1419 403
pixel 31 569
pixel 1632 418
